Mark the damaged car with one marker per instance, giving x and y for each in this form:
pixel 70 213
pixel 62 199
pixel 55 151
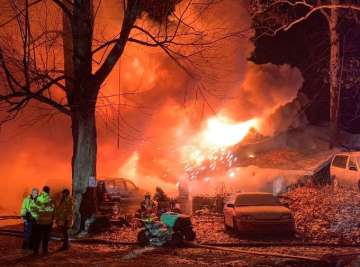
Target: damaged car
pixel 258 213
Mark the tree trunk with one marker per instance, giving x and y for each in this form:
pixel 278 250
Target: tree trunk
pixel 83 164
pixel 81 95
pixel 334 75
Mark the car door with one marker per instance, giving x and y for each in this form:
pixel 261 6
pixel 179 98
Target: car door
pixel 352 172
pixel 338 167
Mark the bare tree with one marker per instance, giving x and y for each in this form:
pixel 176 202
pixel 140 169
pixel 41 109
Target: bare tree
pixel 33 71
pixel 275 16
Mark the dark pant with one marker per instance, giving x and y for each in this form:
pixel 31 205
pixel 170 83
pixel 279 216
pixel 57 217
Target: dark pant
pixel 41 235
pixel 27 243
pixel 65 233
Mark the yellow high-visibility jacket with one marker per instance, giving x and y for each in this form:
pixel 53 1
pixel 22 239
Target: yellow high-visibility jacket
pixel 42 209
pixel 26 204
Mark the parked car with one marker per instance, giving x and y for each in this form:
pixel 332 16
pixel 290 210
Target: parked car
pixel 258 213
pixel 345 170
pixel 117 196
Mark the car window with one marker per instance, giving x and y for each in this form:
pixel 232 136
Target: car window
pixel 120 184
pixel 352 164
pixel 109 185
pixel 257 200
pixel 130 186
pixel 340 161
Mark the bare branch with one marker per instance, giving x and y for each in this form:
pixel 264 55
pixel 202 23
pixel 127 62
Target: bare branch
pixel 63 7
pixel 311 10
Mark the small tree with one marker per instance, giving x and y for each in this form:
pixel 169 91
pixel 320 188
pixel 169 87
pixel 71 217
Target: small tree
pixel 32 70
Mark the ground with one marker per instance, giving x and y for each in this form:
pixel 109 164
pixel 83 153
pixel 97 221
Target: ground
pixel 106 255
pixel 326 222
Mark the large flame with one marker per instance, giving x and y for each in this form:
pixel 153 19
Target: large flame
pixel 210 149
pixel 221 132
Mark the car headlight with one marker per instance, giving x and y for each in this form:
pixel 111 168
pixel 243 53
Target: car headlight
pixel 246 217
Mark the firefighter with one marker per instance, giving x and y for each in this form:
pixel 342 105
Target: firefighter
pixel 148 206
pixel 27 216
pixel 160 195
pixel 162 200
pixel 43 213
pixel 64 216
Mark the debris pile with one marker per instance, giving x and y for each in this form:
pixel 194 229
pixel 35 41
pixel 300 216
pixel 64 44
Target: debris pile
pixel 322 214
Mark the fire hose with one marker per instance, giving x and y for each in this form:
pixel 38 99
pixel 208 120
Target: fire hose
pixel 19 233
pixel 243 251
pixel 328 259
pixel 9 217
pixel 228 247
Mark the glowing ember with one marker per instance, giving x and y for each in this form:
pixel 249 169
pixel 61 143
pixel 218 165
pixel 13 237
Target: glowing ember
pixel 209 151
pixel 221 132
pixel 231 174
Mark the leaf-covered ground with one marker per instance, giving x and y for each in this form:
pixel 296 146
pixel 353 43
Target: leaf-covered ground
pixel 321 215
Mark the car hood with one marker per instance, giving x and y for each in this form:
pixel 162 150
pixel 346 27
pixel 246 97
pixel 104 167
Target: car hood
pixel 263 212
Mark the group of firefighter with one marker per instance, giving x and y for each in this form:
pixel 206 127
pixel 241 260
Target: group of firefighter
pixel 154 206
pixel 40 212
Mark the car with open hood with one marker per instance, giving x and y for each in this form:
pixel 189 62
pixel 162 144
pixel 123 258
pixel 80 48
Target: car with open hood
pixel 258 213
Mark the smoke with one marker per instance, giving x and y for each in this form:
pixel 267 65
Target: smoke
pixel 264 89
pixel 245 179
pixel 162 111
pixel 33 156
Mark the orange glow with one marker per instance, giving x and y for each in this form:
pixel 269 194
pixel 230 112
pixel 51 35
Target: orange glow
pixel 222 132
pixel 164 136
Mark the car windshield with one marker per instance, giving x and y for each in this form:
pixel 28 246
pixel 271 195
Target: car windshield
pixel 257 200
pixel 115 186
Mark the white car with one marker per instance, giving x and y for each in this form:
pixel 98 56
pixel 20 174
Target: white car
pixel 258 213
pixel 345 170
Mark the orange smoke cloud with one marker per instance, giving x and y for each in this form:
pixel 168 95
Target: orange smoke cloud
pixel 165 124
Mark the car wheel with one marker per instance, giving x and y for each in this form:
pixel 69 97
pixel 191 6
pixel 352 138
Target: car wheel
pixel 235 228
pixel 176 240
pixel 334 183
pixel 189 234
pixel 227 228
pixel 142 238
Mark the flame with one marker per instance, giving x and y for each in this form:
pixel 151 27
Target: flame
pixel 222 132
pixel 209 151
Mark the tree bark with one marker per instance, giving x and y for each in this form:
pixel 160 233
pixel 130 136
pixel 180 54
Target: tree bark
pixel 334 75
pixel 81 93
pixel 83 164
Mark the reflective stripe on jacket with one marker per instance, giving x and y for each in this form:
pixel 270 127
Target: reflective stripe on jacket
pixel 26 204
pixel 43 209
